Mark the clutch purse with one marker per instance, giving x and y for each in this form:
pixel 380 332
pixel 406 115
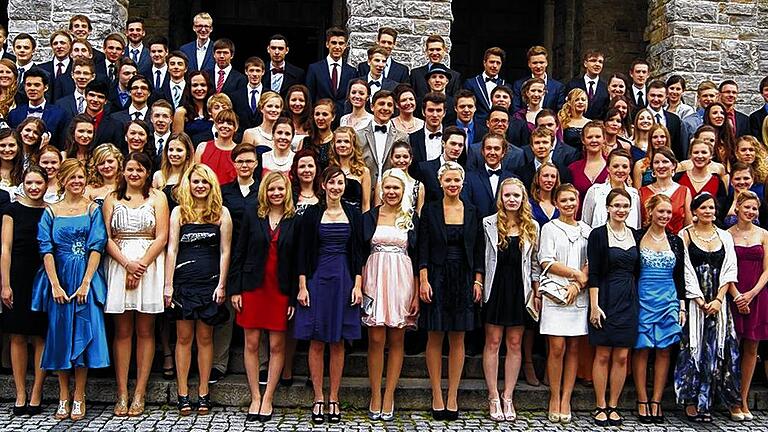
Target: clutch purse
pixel 553 287
pixel 367 306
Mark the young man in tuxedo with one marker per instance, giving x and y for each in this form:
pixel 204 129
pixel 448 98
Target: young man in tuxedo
pixel 453 143
pixel 376 139
pixel 136 51
pixel 82 74
pixel 729 95
pixel 330 77
pixel 56 120
pixel 81 27
pixel 657 99
pixel 225 78
pixel 639 71
pixel 61 64
pixel 427 143
pixel 438 78
pixel 177 69
pixel 199 52
pixel 3 38
pixel 435 50
pixel 157 73
pixel 483 84
pixel 539 151
pixel 706 95
pixel 465 115
pixel 246 101
pixel 106 70
pixel 161 118
pixel 498 123
pixel 138 109
pixel 538 62
pixel 757 118
pixel 281 75
pixel 377 62
pixel 24 46
pixel 119 93
pixel 96 106
pixel 397 72
pixel 481 185
pixel 590 82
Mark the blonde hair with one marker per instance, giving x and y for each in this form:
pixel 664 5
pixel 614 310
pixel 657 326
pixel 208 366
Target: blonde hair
pixel 356 162
pixel 67 169
pixel 213 206
pixel 450 166
pixel 745 196
pixel 568 111
pixel 526 224
pixel 266 97
pixel 404 217
pixel 536 187
pixel 100 154
pixel 759 166
pixel 651 205
pixel 270 178
pixel 219 98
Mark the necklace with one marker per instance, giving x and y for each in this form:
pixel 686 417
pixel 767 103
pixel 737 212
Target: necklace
pixel 307 196
pixel 283 163
pixel 705 240
pixel 658 239
pixel 744 234
pixel 615 235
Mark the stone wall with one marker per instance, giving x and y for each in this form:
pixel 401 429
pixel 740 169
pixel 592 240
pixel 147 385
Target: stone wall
pixel 40 18
pixel 413 19
pixel 155 14
pixel 714 40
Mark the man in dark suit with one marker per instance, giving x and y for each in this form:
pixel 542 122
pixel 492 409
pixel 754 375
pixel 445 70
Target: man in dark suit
pixel 374 76
pixel 375 140
pixel 454 140
pixel 517 131
pixel 119 96
pixel 177 69
pixel 497 122
pixel 81 27
pixel 60 65
pixel 136 51
pixel 56 120
pixel 199 52
pixel 482 85
pixel 82 74
pixel 639 71
pixel 590 82
pixel 729 95
pixel 140 90
pixel 657 98
pixel 539 152
pixel 330 77
pixel 465 108
pixel 397 72
pixel 427 143
pixel 96 106
pixel 106 70
pixel 246 101
pixel 757 118
pixel 281 75
pixel 435 50
pixel 24 46
pixel 438 78
pixel 157 73
pixel 561 154
pixel 481 186
pixel 225 78
pixel 161 117
pixel 537 63
pixel 3 38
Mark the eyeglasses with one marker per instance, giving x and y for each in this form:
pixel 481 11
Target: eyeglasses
pixel 202 26
pixel 142 88
pixel 498 121
pixel 245 162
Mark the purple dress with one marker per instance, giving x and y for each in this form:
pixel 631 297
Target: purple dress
pixel 754 325
pixel 329 317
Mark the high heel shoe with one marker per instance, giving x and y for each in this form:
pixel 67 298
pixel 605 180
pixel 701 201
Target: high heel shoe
pixel 318 417
pixel 438 415
pixel 33 410
pixel 373 415
pixel 19 410
pixel 78 410
pixel 510 414
pixel 62 412
pixel 553 417
pixel 184 405
pixel 388 416
pixel 657 418
pixel 204 404
pixel 494 410
pixel 121 406
pixel 334 415
pixel 600 422
pixel 647 418
pixel 614 422
pixel 137 407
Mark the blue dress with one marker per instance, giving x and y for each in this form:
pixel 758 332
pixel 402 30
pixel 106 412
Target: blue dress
pixel 659 325
pixel 76 336
pixel 329 317
pixel 618 299
pixel 539 214
pixel 199 130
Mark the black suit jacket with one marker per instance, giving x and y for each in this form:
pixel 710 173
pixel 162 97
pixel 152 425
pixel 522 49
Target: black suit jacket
pixel 8 55
pixel 426 173
pixel 433 240
pixel 554 99
pixel 477 190
pixel 598 106
pixel 291 75
pixel 419 83
pixel 109 131
pixel 674 126
pixel 234 83
pixel 242 105
pixel 756 120
pixel 68 104
pixel 319 83
pixel 742 124
pixel 144 58
pixel 398 72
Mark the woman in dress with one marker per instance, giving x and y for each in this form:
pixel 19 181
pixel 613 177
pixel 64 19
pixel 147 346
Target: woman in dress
pixel 70 287
pixel 591 168
pixel 510 290
pixel 572 118
pixel 533 93
pixel 642 173
pixel 196 267
pixel 216 153
pixel 545 182
pixel 192 117
pixel 279 159
pixel 664 165
pixel 50 160
pixel 19 261
pixel 675 88
pixel 11 160
pixel 262 285
pixel 357 98
pixel 79 138
pixel 742 180
pixel 178 155
pixel 715 116
pixel 708 364
pixel 330 284
pixel 450 283
pixel 593 213
pixel 137 217
pixel 104 169
pixel 139 138
pixel 401 157
pixel 346 154
pixel 321 134
pixel 270 106
pixel 641 129
pixel 405 99
pixel 613 254
pixel 563 258
pixel 699 177
pixel 305 178
pixel 750 244
pixel 751 152
pixel 389 287
pixel 661 295
pixel 31 132
pixel 298 107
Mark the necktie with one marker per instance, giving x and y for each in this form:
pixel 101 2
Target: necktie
pixel 137 115
pixel 80 104
pixel 38 110
pixel 160 145
pixel 176 95
pixel 640 100
pixel 437 134
pixel 382 128
pixel 111 71
pixel 135 55
pixel 376 83
pixel 158 83
pixel 21 77
pixel 277 70
pixel 220 81
pixel 335 78
pixel 493 80
pixel 591 90
pixel 494 172
pixel 59 69
pixel 658 118
pixel 731 115
pixel 254 101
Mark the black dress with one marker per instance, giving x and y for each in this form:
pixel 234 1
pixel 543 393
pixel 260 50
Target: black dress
pixel 453 307
pixel 197 271
pixel 506 305
pixel 353 193
pixel 572 137
pixel 618 300
pixel 25 261
pixel 168 191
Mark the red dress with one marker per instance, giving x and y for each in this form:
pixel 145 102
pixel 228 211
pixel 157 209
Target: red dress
pixel 581 182
pixel 265 307
pixel 712 185
pixel 220 162
pixel 677 221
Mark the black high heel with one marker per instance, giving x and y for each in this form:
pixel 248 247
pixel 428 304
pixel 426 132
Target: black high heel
pixel 318 417
pixel 612 422
pixel 184 405
pixel 597 412
pixel 33 410
pixel 648 417
pixel 19 410
pixel 657 418
pixel 204 404
pixel 334 417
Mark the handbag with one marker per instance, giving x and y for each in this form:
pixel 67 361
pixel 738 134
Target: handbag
pixel 553 287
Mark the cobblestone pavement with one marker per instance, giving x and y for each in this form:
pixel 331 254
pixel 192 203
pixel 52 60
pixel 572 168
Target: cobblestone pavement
pixel 100 418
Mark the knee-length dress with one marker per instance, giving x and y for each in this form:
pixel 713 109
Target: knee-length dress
pixel 717 373
pixel 754 325
pixel 506 304
pixel 196 275
pixel 133 229
pixel 76 336
pixel 658 318
pixel 330 316
pixel 388 279
pixel 618 300
pixel 25 261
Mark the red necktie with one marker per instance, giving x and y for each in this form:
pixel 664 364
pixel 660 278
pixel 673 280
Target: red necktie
pixel 335 78
pixel 220 81
pixel 731 115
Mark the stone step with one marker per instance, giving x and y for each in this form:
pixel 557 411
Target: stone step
pixel 412 393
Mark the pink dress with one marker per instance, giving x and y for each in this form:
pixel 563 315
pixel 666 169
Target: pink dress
pixel 388 280
pixel 754 325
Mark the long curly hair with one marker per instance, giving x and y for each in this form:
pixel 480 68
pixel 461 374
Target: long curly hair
pixel 100 154
pixel 271 177
pixel 165 164
pixel 524 216
pixel 568 111
pixel 760 165
pixel 8 97
pixel 356 163
pixel 404 218
pixel 213 206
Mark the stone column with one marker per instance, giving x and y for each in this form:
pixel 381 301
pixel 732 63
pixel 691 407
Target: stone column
pixel 40 18
pixel 710 40
pixel 414 20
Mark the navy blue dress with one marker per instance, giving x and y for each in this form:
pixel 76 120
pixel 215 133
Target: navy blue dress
pixel 197 271
pixel 618 299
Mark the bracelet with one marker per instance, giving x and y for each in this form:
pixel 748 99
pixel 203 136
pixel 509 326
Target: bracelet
pixel 718 299
pixel 478 283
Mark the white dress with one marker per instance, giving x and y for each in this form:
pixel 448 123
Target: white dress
pixel 566 244
pixel 133 229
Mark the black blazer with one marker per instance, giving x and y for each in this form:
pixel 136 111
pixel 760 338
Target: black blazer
pixel 246 272
pixel 477 190
pixel 426 173
pixel 742 124
pixel 598 106
pixel 309 240
pixel 291 75
pixel 371 221
pixel 433 239
pixel 678 248
pixel 756 120
pixel 419 83
pixel 674 126
pixel 597 256
pixel 237 204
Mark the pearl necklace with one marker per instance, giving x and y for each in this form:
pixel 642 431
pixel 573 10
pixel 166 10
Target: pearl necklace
pixel 663 237
pixel 705 240
pixel 616 236
pixel 281 164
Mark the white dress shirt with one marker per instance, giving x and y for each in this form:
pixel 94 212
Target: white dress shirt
pixel 373 87
pixel 216 70
pixel 332 62
pixel 38 115
pixel 493 179
pixel 80 100
pixel 160 145
pixel 433 146
pixel 636 90
pixel 276 77
pixel 64 65
pixel 180 86
pixel 132 109
pixel 259 91
pixel 200 52
pixel 489 85
pixel 588 80
pixel 163 70
pixel 380 139
pixel 658 116
pixel 139 47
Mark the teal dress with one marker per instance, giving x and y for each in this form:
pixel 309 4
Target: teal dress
pixel 76 337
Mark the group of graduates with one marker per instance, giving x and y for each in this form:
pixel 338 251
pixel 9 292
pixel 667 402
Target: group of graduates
pixel 165 187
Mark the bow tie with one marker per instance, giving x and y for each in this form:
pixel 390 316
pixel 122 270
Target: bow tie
pixel 277 70
pixel 382 128
pixel 435 135
pixel 494 80
pixel 492 172
pixel 378 83
pixel 38 110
